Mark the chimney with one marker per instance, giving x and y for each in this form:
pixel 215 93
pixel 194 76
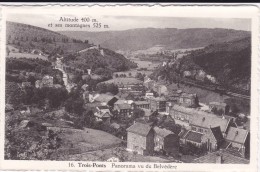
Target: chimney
pixel 219 159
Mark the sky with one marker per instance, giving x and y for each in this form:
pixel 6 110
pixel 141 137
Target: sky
pixel 130 22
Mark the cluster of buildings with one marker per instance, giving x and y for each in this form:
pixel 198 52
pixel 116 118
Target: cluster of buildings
pixel 204 129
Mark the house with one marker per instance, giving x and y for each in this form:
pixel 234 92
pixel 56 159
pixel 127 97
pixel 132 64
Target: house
pixel 238 139
pixel 149 95
pixel 149 116
pixel 180 113
pixel 188 136
pixel 188 100
pixel 142 104
pixel 103 114
pixel 158 104
pixel 219 107
pixel 206 130
pixel 220 157
pixel 166 141
pixel 124 110
pixel 140 139
pixel 173 96
pixel 202 122
pixel 213 139
pixel 104 99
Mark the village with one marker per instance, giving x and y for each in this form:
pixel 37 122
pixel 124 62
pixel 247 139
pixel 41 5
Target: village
pixel 152 120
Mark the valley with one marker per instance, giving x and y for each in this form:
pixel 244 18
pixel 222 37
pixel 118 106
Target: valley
pixel 99 96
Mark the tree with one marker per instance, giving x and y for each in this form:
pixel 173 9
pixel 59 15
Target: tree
pixel 140 76
pixel 73 105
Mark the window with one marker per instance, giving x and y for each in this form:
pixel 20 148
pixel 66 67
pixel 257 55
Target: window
pixel 200 130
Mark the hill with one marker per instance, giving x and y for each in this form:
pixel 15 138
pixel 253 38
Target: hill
pixel 170 38
pixel 102 61
pixel 229 62
pixel 28 39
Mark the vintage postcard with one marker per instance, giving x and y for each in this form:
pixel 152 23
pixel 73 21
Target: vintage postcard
pixel 129 87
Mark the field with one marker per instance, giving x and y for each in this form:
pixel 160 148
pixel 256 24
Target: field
pixel 27 55
pixel 117 152
pixel 77 141
pixel 150 66
pixel 146 64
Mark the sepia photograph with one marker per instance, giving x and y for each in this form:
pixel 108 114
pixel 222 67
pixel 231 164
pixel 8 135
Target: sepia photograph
pixel 127 88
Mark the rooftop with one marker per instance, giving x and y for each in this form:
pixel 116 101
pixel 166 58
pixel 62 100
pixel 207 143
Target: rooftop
pixel 207 120
pixel 187 95
pixel 226 158
pixel 124 106
pixel 104 97
pixel 237 135
pixel 103 113
pixel 140 129
pixel 216 131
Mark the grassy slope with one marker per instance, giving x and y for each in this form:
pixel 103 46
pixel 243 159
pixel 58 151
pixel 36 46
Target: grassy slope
pixel 22 36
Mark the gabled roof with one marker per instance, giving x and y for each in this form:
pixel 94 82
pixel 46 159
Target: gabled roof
pixel 140 129
pixel 206 120
pixel 237 135
pixel 226 158
pixel 194 136
pixel 216 131
pixel 112 101
pixel 104 98
pixel 104 113
pixel 124 106
pixel 162 131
